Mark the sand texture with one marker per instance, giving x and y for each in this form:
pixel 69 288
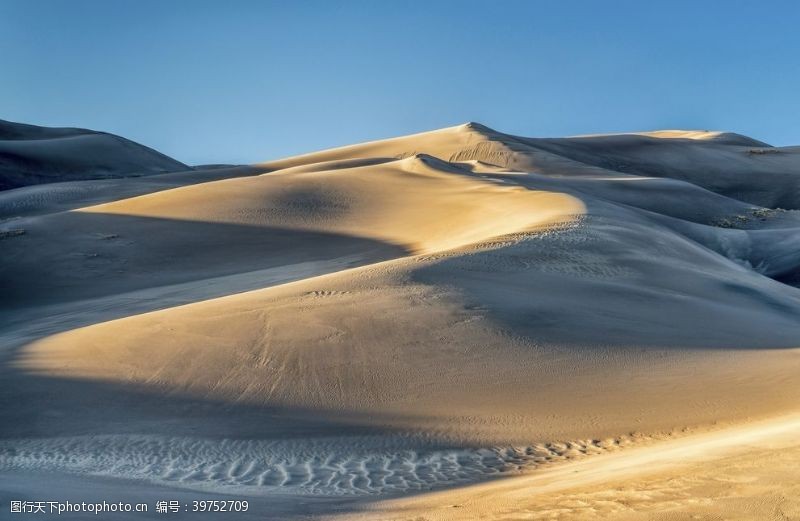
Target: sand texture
pixel 457 324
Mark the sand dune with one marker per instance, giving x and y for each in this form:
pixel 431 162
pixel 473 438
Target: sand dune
pixel 407 315
pixel 422 203
pixel 729 138
pixel 702 476
pixel 32 155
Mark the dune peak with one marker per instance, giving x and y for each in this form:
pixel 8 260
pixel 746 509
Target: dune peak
pixel 474 126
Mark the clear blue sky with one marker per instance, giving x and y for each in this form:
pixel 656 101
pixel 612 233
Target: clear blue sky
pixel 236 81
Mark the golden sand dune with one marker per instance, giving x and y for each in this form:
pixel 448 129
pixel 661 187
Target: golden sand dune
pixel 419 313
pixel 421 203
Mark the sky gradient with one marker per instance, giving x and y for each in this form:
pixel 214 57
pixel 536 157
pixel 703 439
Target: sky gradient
pixel 238 82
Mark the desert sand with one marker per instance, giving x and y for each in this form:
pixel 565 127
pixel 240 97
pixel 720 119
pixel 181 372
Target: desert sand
pixel 457 324
pixel 31 155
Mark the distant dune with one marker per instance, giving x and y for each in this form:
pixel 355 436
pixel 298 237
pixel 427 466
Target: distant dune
pixel 33 155
pixel 368 323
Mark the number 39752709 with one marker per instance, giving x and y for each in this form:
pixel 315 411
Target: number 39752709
pixel 214 505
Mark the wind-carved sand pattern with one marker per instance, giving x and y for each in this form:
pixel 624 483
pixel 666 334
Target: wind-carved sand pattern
pixel 325 467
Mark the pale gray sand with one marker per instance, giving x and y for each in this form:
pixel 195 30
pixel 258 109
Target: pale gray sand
pixel 31 154
pixel 53 486
pixel 48 198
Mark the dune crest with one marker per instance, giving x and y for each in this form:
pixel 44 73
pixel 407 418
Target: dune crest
pixel 728 138
pixel 420 202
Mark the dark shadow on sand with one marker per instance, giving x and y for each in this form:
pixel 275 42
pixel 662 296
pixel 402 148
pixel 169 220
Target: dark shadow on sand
pixel 76 257
pixel 643 293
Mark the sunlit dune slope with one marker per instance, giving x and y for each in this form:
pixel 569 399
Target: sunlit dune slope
pixel 421 203
pixel 533 292
pixel 729 164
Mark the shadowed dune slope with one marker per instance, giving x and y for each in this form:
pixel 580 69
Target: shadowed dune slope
pixel 33 155
pixel 61 196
